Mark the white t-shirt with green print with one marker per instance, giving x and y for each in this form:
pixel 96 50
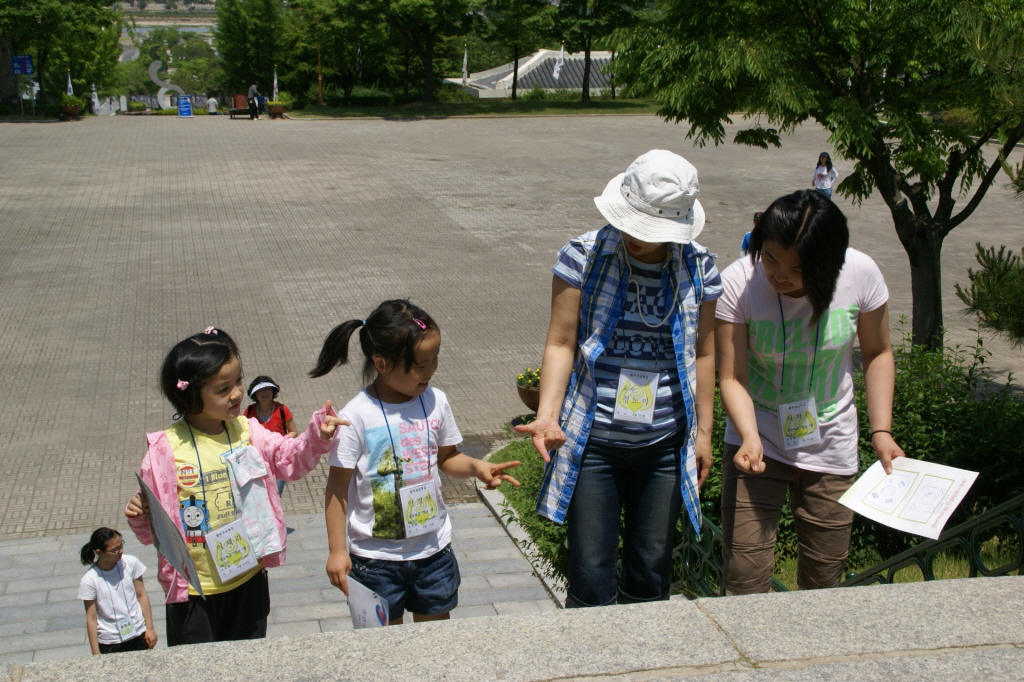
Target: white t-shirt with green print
pixel 749 299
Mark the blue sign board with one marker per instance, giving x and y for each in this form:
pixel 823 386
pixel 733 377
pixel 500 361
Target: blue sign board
pixel 22 64
pixel 185 105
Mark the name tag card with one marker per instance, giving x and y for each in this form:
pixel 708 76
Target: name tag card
pixel 799 422
pixel 231 550
pixel 419 503
pixel 634 398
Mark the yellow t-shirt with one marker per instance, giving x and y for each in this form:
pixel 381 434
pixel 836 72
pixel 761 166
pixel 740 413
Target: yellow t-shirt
pixel 207 504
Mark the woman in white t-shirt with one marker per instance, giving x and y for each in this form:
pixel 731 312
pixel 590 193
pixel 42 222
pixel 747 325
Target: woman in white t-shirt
pixel 796 304
pixel 118 616
pixel 824 175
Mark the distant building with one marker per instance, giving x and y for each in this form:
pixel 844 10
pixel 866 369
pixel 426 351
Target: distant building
pixel 538 68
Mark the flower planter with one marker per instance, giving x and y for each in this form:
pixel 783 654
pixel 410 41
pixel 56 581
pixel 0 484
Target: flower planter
pixel 70 112
pixel 276 110
pixel 529 396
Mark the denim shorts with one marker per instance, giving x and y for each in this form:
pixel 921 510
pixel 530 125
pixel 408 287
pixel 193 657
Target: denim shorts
pixel 429 586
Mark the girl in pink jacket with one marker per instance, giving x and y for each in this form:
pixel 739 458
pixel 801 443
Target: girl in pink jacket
pixel 213 471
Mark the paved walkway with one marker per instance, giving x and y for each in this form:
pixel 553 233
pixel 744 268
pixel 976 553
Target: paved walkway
pixel 42 620
pixel 123 235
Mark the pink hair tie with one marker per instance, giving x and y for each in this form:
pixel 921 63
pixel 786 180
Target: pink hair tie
pixel 420 323
pixel 211 331
pixel 182 385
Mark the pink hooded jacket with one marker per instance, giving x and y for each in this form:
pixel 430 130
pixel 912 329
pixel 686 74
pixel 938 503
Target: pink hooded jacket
pixel 288 459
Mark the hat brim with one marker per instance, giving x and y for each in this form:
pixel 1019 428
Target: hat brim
pixel 653 229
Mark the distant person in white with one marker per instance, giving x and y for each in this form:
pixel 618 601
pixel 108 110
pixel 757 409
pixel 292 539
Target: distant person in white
pixel 211 106
pixel 118 616
pixel 824 175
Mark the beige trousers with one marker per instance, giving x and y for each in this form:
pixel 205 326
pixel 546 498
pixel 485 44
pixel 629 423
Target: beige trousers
pixel 751 509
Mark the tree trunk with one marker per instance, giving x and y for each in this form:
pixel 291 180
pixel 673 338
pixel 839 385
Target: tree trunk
pixel 40 74
pixel 611 81
pixel 405 83
pixel 586 72
pixel 428 68
pixel 926 287
pixel 515 70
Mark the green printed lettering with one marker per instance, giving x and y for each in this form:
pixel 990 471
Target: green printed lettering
pixel 797 381
pixel 768 390
pixel 824 389
pixel 764 337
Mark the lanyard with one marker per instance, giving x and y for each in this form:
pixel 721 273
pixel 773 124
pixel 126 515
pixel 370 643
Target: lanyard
pixel 202 478
pixel 675 298
pixel 113 606
pixel 814 358
pixel 426 423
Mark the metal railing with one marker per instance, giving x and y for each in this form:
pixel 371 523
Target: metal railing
pixel 697 565
pixel 965 539
pixel 698 568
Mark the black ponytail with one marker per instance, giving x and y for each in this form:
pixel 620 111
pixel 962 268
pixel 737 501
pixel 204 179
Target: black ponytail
pixel 98 541
pixel 335 350
pixel 391 331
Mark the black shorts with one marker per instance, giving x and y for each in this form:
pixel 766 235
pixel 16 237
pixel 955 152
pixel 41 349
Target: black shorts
pixel 240 613
pixel 134 644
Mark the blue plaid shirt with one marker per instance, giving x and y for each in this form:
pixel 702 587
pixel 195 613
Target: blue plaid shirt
pixel 602 300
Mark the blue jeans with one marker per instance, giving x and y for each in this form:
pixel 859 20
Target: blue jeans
pixel 644 482
pixel 827 193
pixel 429 587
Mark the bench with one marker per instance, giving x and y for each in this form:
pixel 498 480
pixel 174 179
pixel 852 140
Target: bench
pixel 239 106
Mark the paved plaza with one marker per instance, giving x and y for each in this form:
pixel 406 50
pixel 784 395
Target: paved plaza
pixel 123 235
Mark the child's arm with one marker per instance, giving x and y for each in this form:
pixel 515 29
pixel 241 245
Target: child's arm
pixel 336 515
pixel 90 625
pixel 292 458
pixel 147 612
pixel 459 465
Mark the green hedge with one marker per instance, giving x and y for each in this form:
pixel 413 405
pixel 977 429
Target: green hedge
pixel 948 408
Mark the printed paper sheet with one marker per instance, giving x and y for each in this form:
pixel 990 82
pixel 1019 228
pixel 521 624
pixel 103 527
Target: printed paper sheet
pixel 367 609
pixel 167 539
pixel 917 497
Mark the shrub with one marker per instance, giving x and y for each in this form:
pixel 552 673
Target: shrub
pixel 961 118
pixel 70 101
pixel 996 293
pixel 452 94
pixel 948 408
pixel 136 106
pixel 534 94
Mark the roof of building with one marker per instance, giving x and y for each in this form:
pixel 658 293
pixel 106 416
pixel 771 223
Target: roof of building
pixel 538 69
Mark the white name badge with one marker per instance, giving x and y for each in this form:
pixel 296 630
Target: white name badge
pixel 799 422
pixel 634 398
pixel 125 628
pixel 231 550
pixel 419 505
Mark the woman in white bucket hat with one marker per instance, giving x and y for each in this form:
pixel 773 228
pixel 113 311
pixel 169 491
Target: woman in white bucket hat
pixel 627 389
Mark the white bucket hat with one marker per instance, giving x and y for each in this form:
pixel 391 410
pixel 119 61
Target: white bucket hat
pixel 655 200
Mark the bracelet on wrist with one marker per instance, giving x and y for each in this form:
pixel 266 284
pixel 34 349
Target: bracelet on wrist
pixel 872 434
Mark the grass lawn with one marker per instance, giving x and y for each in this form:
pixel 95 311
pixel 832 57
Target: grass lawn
pixel 484 107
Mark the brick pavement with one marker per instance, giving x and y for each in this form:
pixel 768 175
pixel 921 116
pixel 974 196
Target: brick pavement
pixel 43 620
pixel 123 235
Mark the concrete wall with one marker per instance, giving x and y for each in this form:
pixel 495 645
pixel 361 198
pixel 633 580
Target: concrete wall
pixel 961 630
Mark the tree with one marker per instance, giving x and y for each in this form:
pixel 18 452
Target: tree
pixel 516 25
pixel 345 37
pixel 425 24
pixel 80 35
pixel 582 22
pixel 250 36
pixel 996 293
pixel 866 70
